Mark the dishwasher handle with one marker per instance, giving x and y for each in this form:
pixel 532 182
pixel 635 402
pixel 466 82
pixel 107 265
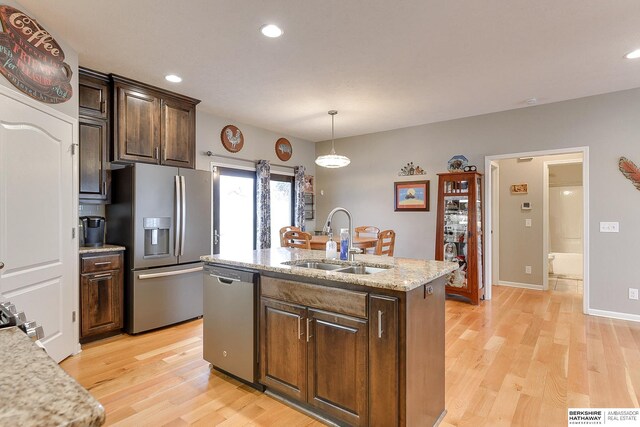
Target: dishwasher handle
pixel 224 280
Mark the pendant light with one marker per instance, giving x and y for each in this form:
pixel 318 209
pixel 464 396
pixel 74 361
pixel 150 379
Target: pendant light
pixel 332 160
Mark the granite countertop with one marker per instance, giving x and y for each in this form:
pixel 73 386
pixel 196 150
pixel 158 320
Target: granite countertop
pixel 405 274
pixel 37 392
pixel 98 249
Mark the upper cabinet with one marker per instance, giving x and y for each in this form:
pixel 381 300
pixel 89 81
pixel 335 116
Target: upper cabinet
pixel 93 94
pixel 152 125
pixel 94 136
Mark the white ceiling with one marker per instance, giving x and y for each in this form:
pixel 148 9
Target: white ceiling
pixel 382 64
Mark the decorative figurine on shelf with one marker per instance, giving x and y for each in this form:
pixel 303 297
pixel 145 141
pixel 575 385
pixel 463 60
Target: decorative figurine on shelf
pixel 410 169
pixel 457 163
pixel 450 252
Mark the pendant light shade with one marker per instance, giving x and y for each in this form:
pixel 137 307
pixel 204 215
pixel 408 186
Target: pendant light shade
pixel 332 160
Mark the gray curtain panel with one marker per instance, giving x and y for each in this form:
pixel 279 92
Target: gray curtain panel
pixel 263 204
pixel 299 188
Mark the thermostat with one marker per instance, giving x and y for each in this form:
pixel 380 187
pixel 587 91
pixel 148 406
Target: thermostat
pixel 526 206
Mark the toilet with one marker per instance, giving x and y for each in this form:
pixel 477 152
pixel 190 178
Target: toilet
pixel 551 257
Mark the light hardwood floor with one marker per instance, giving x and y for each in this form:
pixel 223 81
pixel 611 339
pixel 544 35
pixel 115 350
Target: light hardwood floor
pixel 521 359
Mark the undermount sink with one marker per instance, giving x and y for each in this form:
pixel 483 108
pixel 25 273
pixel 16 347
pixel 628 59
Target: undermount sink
pixel 338 268
pixel 361 269
pixel 319 265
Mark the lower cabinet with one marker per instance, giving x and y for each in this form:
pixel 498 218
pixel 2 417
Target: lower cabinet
pixel 344 366
pixel 101 293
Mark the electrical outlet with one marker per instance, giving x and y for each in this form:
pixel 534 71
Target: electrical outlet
pixel 527 222
pixel 633 293
pixel 527 269
pixel 609 227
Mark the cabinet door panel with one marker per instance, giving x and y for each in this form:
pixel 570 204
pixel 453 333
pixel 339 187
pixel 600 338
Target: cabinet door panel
pixel 93 97
pixel 93 158
pixel 283 348
pixel 101 311
pixel 383 361
pixel 138 126
pixel 338 366
pixel 178 138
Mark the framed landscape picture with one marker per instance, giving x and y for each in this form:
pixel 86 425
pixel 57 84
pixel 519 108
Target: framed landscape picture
pixel 411 196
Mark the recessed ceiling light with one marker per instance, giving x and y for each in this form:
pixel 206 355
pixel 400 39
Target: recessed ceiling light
pixel 271 30
pixel 173 78
pixel 633 55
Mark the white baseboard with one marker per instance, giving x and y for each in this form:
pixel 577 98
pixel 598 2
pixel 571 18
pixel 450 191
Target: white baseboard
pixel 521 285
pixel 614 315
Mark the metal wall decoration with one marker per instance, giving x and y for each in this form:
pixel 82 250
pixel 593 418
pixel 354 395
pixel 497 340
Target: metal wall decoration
pixel 284 151
pixel 232 138
pixel 630 171
pixel 31 59
pixel 410 169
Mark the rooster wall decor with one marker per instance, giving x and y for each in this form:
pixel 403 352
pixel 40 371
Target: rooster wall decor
pixel 630 170
pixel 232 138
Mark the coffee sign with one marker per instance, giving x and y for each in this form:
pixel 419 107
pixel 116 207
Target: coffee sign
pixel 31 59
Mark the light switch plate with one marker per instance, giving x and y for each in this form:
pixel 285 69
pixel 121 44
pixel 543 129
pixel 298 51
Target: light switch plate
pixel 633 293
pixel 527 269
pixel 527 222
pixel 609 227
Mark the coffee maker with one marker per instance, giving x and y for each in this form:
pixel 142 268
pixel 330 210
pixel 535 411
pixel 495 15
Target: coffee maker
pixel 92 231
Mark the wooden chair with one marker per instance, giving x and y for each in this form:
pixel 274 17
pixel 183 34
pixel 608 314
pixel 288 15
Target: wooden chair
pixel 386 242
pixel 297 239
pixel 284 230
pixel 367 231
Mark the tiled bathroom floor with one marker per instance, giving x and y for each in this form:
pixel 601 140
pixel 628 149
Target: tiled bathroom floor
pixel 565 285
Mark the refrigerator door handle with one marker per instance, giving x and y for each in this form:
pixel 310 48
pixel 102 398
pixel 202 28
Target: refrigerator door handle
pixel 178 227
pixel 169 273
pixel 183 231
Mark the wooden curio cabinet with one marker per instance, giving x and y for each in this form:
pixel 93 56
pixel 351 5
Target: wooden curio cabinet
pixel 459 232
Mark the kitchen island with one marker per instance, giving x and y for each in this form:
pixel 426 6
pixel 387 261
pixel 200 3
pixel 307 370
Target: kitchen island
pixel 356 343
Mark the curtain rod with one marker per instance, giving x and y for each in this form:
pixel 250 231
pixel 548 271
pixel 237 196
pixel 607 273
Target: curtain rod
pixel 212 154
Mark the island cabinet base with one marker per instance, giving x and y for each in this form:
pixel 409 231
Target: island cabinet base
pixel 354 355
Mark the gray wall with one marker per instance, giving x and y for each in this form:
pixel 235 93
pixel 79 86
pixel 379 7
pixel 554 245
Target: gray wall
pixel 519 245
pixel 608 124
pixel 70 107
pixel 259 144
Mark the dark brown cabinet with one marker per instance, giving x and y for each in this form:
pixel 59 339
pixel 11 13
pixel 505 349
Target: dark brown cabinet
pixel 101 294
pixel 153 125
pixel 93 94
pixel 313 354
pixel 94 137
pixel 284 359
pixel 337 365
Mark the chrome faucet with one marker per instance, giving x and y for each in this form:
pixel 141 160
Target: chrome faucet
pixel 352 251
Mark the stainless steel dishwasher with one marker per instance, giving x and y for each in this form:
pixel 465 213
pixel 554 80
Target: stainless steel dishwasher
pixel 229 325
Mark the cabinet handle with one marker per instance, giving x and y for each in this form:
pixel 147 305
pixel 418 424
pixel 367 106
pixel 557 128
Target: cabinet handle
pixel 100 276
pixel 155 153
pixel 102 263
pixel 299 327
pixel 379 323
pixel 104 187
pixel 103 105
pixel 309 336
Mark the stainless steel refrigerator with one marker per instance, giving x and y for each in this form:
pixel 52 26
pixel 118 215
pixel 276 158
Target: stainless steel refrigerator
pixel 162 215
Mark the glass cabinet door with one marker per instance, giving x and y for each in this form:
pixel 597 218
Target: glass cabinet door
pixel 456 229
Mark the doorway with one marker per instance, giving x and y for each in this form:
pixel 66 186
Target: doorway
pixel 529 210
pixel 563 224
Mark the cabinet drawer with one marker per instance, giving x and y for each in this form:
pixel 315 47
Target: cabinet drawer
pixel 336 300
pixel 90 264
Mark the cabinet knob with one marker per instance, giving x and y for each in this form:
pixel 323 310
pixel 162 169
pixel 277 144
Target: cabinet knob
pixel 1 265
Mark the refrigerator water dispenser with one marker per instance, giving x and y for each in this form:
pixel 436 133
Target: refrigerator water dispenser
pixel 156 236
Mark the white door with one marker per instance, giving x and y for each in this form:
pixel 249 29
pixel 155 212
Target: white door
pixel 37 215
